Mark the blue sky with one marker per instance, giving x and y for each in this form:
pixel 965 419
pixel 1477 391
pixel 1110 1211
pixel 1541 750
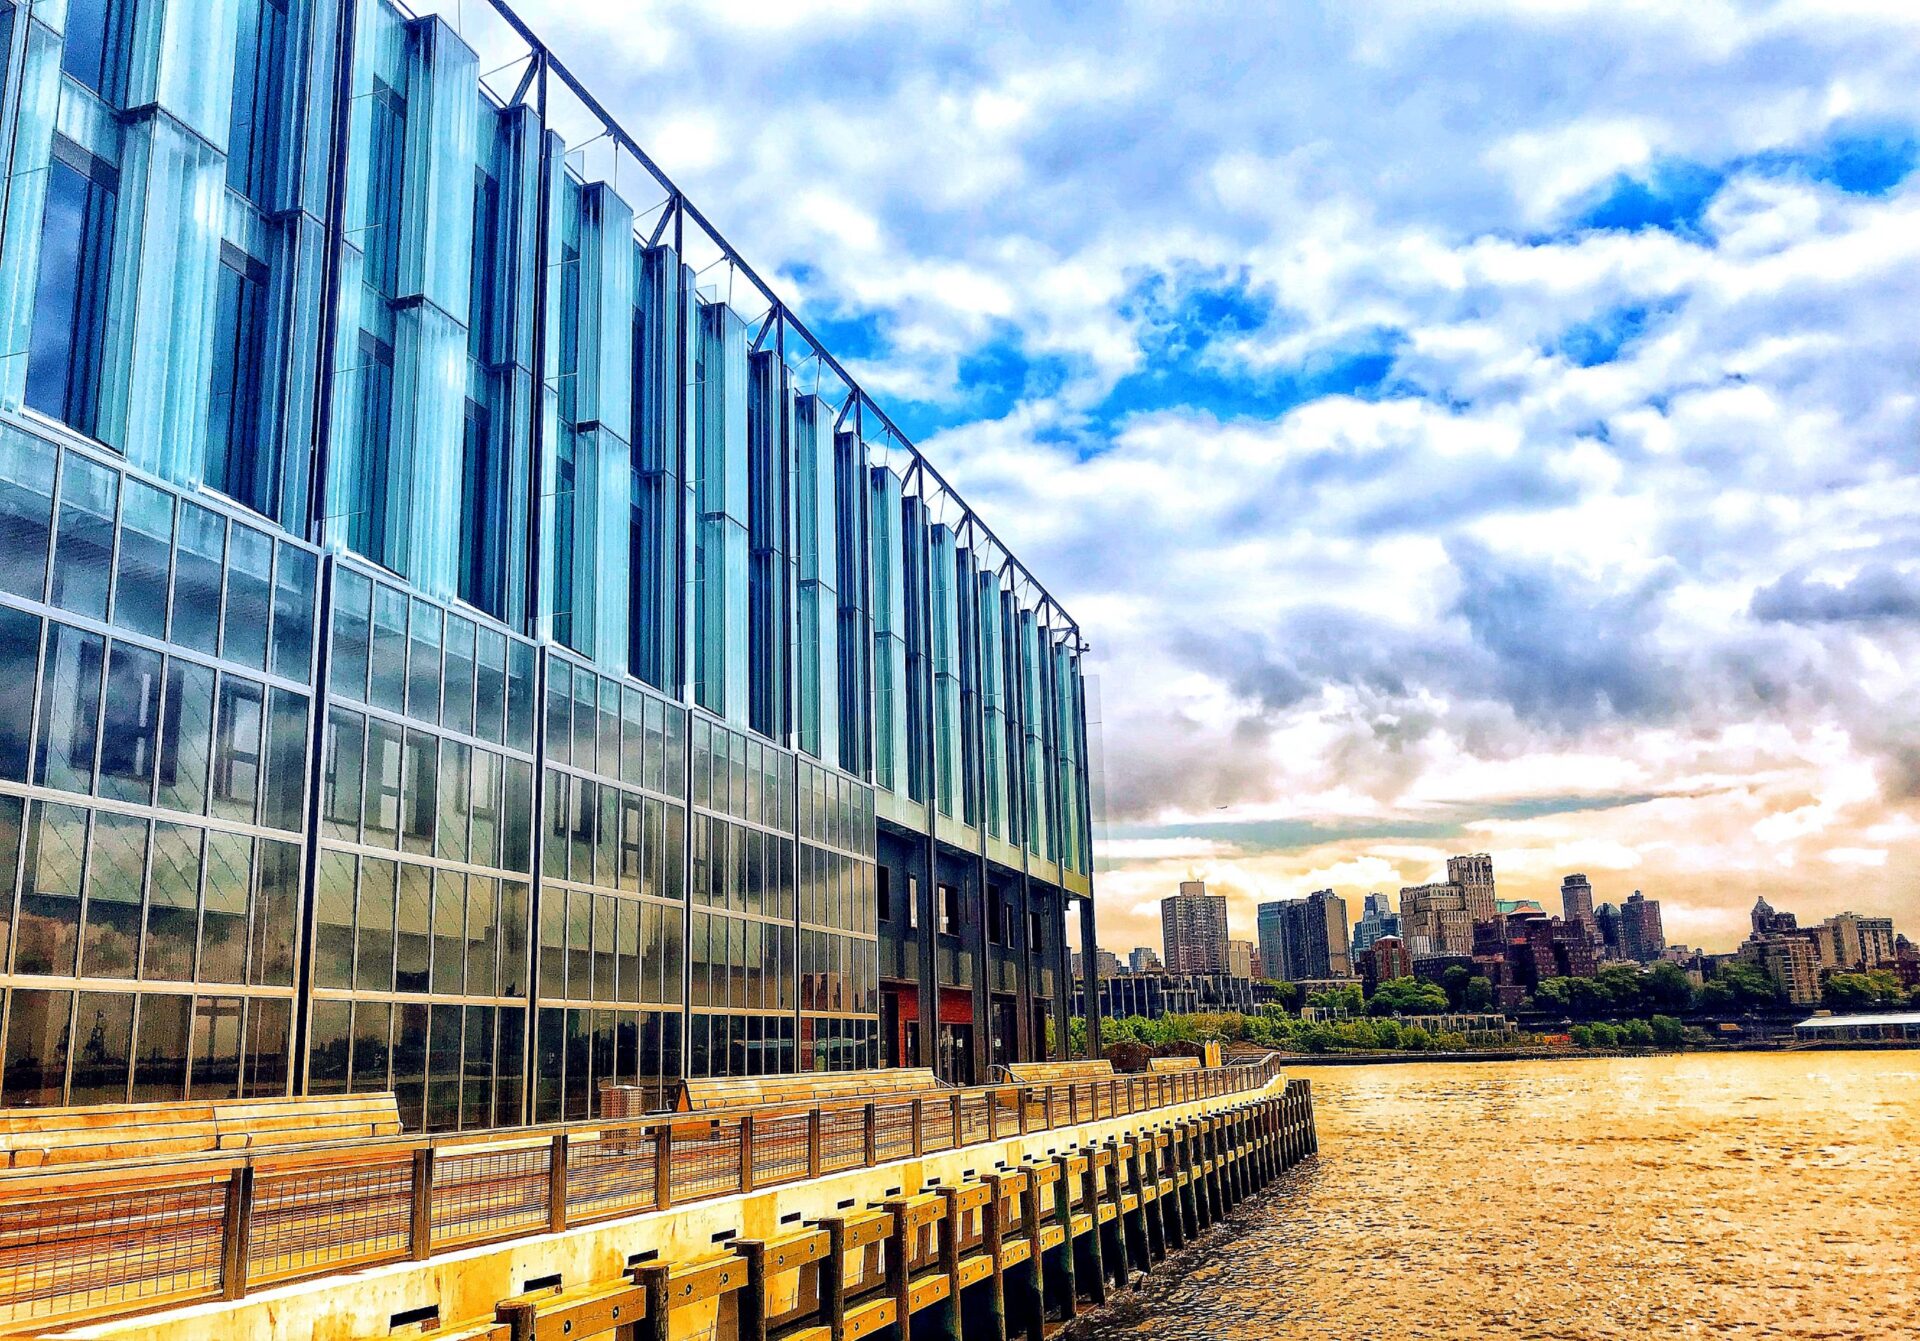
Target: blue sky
pixel 1458 426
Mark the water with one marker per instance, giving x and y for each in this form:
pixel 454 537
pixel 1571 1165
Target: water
pixel 1695 1196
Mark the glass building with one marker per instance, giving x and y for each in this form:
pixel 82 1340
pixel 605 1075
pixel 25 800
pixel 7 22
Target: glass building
pixel 459 632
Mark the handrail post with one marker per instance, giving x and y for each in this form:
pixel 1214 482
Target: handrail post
pixel 958 1133
pixel 235 1220
pixel 557 1183
pixel 1073 1105
pixel 813 1142
pixel 420 1221
pixel 870 1139
pixel 746 1152
pixel 1021 1096
pixel 919 1109
pixel 663 1166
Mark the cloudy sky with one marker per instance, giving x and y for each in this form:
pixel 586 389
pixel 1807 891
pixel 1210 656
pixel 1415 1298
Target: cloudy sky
pixel 1478 425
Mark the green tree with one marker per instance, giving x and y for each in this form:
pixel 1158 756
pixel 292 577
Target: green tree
pixel 1286 994
pixel 1582 1035
pixel 1667 988
pixel 1408 996
pixel 1740 987
pixel 1453 981
pixel 1636 1034
pixel 1667 1031
pixel 1862 991
pixel 1479 994
pixel 1347 1000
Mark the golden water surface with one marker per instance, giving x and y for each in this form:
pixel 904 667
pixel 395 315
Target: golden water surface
pixel 1763 1195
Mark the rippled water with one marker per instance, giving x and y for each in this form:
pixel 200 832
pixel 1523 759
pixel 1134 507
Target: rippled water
pixel 1731 1195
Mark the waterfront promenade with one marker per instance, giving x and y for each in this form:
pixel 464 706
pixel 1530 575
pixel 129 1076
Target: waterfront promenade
pixel 1019 1200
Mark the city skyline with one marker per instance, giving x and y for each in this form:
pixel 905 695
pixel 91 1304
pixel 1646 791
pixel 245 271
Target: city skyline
pixel 1516 467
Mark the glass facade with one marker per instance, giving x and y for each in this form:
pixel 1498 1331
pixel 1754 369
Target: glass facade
pixel 456 636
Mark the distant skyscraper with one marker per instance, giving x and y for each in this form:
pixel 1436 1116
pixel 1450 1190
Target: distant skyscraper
pixel 1376 920
pixel 1306 938
pixel 1606 920
pixel 1474 874
pixel 1142 959
pixel 1386 959
pixel 1576 901
pixel 1434 919
pixel 1641 936
pixel 1240 958
pixel 1766 922
pixel 1193 924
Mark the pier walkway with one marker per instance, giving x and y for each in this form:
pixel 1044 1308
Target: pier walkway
pixel 775 1223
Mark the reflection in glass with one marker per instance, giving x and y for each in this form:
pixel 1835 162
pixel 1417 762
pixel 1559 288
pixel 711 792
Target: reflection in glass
pixel 110 945
pixel 352 633
pixel 102 1048
pixel 269 1023
pixel 130 735
pixel 160 1048
pixel 249 596
pixel 380 810
pixel 286 779
pixel 423 664
pixel 333 921
pixel 173 904
pixel 418 806
pixel 36 1063
pixel 83 549
pixel 294 583
pixel 26 512
pixel 69 709
pixel 373 928
pixel 196 578
pixel 236 756
pixel 19 670
pixel 443 1068
pixel 331 1045
pixel 388 685
pixel 340 785
pixel 276 913
pixel 216 1047
pixel 146 551
pixel 49 921
pixel 372 1027
pixel 413 928
pixel 71 288
pixel 223 923
pixel 186 737
pixel 410 1062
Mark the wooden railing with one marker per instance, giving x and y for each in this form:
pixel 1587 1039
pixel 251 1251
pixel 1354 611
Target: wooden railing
pixel 114 1239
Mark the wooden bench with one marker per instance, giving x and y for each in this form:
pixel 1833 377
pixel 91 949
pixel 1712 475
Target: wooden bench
pixel 699 1096
pixel 37 1138
pixel 1173 1063
pixel 1058 1073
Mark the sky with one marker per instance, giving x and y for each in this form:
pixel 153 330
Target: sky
pixel 1464 426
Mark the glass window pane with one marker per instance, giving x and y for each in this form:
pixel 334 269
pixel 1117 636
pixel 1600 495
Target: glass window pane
pixel 444 1033
pixel 13 814
pixel 352 633
pixel 71 288
pixel 130 736
pixel 332 1043
pixel 423 664
pixel 223 921
pixel 516 815
pixel 516 968
pixel 146 554
pixel 476 1085
pixel 286 778
pixel 197 565
pixel 413 928
pixel 559 711
pixel 19 671
pixel 490 686
pixel 186 737
pixel 373 928
pixel 381 809
pixel 419 804
pixel 457 705
pixel 633 735
pixel 236 756
pixel 49 923
pixel 269 1024
pixel 216 1048
pixel 26 512
pixel 333 920
pixel 388 686
pixel 294 584
pixel 69 709
pixel 173 906
pixel 455 765
pixel 372 1046
pixel 483 846
pixel 482 935
pixel 449 932
pixel 116 874
pixel 276 913
pixel 340 786
pixel 249 596
pixel 410 1063
pixel 103 1048
pixel 160 1048
pixel 36 1065
pixel 520 688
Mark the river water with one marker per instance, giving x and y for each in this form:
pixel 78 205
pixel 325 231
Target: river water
pixel 1763 1195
